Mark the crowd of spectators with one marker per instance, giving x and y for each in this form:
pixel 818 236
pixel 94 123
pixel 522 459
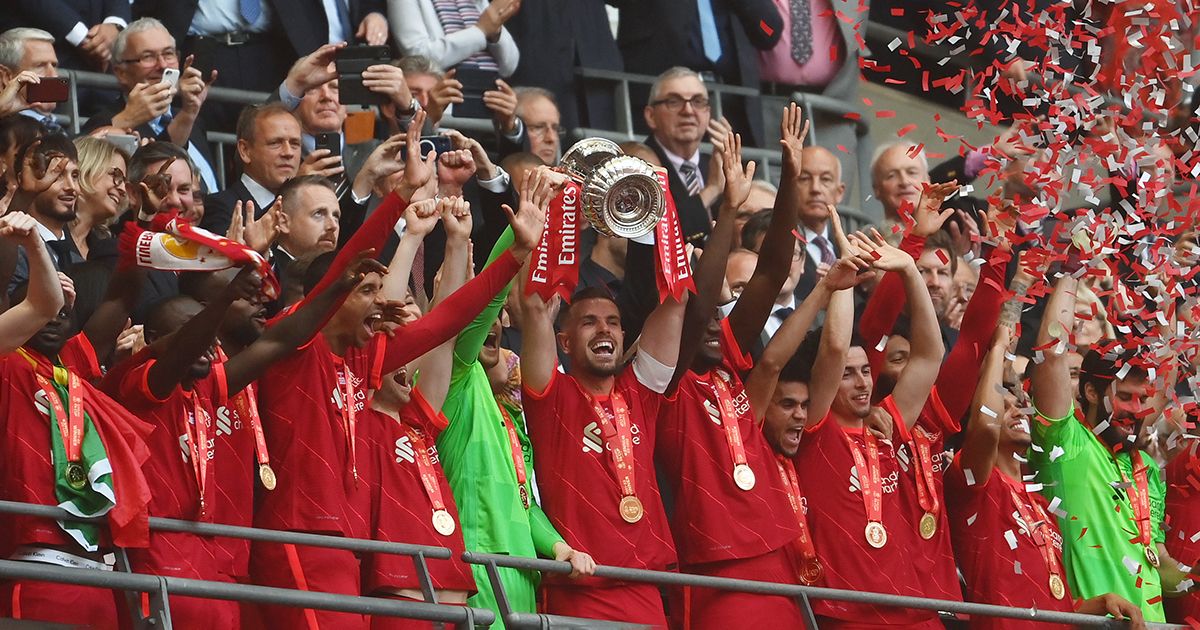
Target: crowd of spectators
pixel 333 329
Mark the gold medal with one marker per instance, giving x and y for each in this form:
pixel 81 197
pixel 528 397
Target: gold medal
pixel 743 477
pixel 443 522
pixel 928 526
pixel 876 534
pixel 810 570
pixel 631 509
pixel 266 476
pixel 76 476
pixel 1057 588
pixel 524 496
pixel 1152 556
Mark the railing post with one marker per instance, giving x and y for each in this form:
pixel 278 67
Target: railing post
pixel 810 619
pixel 160 607
pixel 73 102
pixel 424 578
pixel 624 113
pixel 133 599
pixel 502 602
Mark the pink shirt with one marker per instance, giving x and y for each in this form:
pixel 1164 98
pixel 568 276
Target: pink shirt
pixel 828 51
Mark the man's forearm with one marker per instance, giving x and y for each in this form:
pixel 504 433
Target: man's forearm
pixel 180 128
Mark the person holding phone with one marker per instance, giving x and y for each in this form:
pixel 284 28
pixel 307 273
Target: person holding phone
pixel 462 34
pixel 32 50
pixel 147 66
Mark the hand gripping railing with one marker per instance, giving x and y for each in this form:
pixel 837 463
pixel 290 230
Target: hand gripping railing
pixel 802 594
pixel 158 587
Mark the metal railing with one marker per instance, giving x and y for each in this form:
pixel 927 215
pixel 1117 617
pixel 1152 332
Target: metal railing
pixel 159 588
pixel 802 594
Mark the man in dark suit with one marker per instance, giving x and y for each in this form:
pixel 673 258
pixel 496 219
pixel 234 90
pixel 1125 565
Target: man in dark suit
pixel 567 34
pixel 821 185
pixel 253 45
pixel 721 37
pixel 142 52
pixel 268 147
pixel 678 114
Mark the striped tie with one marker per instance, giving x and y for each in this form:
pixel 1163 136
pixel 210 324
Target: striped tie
pixel 691 177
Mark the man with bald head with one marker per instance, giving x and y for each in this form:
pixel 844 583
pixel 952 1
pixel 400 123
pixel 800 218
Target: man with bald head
pixel 897 174
pixel 821 185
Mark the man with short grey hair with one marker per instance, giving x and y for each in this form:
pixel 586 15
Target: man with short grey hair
pixel 142 54
pixel 83 31
pixel 30 49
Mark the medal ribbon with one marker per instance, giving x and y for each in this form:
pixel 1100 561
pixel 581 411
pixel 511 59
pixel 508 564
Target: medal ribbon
pixel 673 272
pixel 729 420
pixel 348 419
pixel 622 450
pixel 869 476
pixel 514 442
pixel 70 425
pixel 425 468
pixel 197 433
pixel 1139 497
pixel 1037 523
pixel 804 542
pixel 927 494
pixel 249 400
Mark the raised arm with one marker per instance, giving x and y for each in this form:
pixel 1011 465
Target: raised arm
pixel 1050 382
pixel 710 271
pixel 447 319
pixel 925 358
pixel 419 220
pixel 180 349
pixel 988 415
pixel 775 257
pixel 435 367
pixel 44 296
pixel 296 329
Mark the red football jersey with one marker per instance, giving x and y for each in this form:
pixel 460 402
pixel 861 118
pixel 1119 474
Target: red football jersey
pixel 26 466
pixel 174 488
pixel 1001 563
pixel 236 476
pixel 579 486
pixel 301 400
pixel 401 511
pixel 838 518
pixel 934 558
pixel 1183 509
pixel 713 518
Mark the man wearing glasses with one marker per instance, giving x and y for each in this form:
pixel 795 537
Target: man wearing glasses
pixel 678 115
pixel 141 54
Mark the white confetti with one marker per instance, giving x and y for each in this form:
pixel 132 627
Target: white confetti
pixel 882 344
pixel 1056 452
pixel 1131 565
pixel 1055 509
pixel 1011 538
pixel 970 478
pixel 987 412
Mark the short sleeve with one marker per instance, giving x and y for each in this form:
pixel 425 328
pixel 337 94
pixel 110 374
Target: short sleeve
pixel 135 387
pixel 421 414
pixel 737 358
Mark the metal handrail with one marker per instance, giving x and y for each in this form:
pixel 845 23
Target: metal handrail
pixel 804 593
pixel 159 586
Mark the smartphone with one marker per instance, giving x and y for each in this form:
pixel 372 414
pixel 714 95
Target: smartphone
pixel 350 63
pixel 437 144
pixel 49 90
pixel 475 82
pixel 170 76
pixel 124 142
pixel 331 141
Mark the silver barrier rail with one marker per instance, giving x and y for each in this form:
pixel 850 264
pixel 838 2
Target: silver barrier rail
pixel 803 594
pixel 159 588
pixel 419 553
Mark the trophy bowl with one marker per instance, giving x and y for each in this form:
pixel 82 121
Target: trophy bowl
pixel 622 197
pixel 584 156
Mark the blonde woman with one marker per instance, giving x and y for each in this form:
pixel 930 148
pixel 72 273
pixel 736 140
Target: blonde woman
pixel 102 178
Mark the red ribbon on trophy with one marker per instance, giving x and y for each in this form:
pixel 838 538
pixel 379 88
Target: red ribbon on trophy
pixel 555 265
pixel 672 270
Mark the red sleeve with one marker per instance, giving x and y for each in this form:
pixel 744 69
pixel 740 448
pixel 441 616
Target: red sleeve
pixel 959 375
pixel 736 358
pixel 899 426
pixel 421 414
pixel 885 305
pixel 82 360
pixel 451 316
pixel 135 390
pixel 373 233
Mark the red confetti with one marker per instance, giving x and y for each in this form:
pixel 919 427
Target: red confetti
pixel 906 129
pixel 942 256
pixel 898 11
pixel 885 113
pixel 766 28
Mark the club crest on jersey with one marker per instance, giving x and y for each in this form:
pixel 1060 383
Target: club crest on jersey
pixel 592 440
pixel 228 420
pixel 404 450
pixel 714 413
pixel 41 402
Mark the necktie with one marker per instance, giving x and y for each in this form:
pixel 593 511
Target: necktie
pixel 802 34
pixel 690 177
pixel 827 255
pixel 783 313
pixel 708 30
pixel 250 10
pixel 343 15
pixel 418 277
pixel 62 249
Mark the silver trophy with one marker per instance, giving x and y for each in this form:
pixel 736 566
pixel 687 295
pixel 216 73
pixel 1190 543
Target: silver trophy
pixel 621 196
